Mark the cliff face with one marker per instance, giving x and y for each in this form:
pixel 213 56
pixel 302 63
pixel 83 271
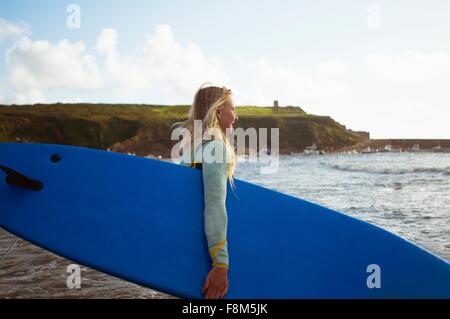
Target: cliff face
pixel 298 132
pixel 146 129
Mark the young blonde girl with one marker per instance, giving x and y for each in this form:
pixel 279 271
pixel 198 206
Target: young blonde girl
pixel 213 106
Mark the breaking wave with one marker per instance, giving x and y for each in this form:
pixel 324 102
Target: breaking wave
pixel 389 170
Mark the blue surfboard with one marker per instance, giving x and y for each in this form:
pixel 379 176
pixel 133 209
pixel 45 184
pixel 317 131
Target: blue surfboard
pixel 141 220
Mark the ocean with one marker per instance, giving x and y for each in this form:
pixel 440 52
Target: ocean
pixel 405 193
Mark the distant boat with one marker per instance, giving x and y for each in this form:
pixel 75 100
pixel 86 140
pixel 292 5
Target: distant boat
pixel 388 148
pixel 438 148
pixel 415 148
pixel 368 150
pixel 311 150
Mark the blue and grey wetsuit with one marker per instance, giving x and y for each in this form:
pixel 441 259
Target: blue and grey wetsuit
pixel 215 194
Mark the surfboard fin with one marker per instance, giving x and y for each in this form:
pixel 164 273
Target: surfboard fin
pixel 15 178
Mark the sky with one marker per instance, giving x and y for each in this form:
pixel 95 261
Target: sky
pixel 378 66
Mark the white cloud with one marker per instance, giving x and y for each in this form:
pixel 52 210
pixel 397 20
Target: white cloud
pixel 332 69
pixel 416 81
pixel 9 29
pixel 412 67
pixel 163 68
pixel 390 94
pixel 125 74
pixel 107 42
pixel 404 95
pixel 29 96
pixel 36 66
pixel 318 86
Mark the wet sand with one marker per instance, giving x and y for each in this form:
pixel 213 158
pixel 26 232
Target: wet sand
pixel 31 272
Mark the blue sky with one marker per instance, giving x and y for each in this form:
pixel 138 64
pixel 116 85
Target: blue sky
pixel 380 66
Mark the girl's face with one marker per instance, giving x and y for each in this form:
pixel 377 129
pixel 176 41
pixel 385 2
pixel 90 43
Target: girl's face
pixel 227 116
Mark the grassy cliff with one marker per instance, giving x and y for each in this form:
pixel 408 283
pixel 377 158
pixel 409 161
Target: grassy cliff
pixel 145 129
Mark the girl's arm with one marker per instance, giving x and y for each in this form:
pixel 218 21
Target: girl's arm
pixel 215 214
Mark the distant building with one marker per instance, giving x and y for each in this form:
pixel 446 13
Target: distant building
pixel 275 105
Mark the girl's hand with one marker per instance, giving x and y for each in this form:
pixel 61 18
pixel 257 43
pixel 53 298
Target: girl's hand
pixel 216 283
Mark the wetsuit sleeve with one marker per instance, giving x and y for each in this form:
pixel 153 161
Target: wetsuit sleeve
pixel 215 213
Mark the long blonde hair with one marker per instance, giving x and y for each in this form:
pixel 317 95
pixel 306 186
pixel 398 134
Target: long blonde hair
pixel 207 102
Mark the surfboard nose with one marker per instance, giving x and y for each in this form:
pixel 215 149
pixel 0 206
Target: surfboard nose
pixel 14 178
